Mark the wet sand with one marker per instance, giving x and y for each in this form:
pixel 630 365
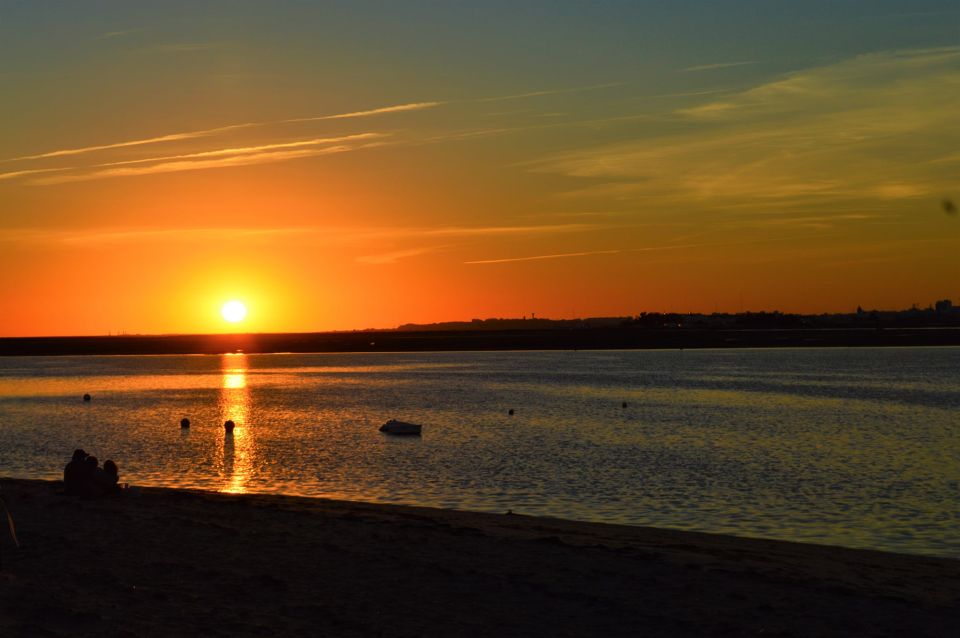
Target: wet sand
pixel 176 563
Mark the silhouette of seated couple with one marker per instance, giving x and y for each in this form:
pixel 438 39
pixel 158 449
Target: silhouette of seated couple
pixel 84 477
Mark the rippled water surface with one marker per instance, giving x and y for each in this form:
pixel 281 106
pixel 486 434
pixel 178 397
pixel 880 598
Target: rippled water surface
pixel 857 447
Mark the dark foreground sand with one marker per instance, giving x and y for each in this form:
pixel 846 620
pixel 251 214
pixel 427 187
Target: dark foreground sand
pixel 177 563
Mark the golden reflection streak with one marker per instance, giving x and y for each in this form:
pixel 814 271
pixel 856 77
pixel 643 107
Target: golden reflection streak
pixel 237 449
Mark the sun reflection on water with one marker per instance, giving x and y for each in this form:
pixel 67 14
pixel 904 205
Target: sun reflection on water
pixel 237 449
pixel 233 380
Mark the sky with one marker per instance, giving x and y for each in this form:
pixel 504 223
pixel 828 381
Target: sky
pixel 350 165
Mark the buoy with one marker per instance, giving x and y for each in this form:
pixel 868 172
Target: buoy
pixel 510 411
pixel 184 422
pixel 624 404
pixel 228 425
pixel 86 397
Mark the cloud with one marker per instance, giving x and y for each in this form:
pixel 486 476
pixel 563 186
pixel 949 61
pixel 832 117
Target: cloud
pixel 868 128
pixel 186 47
pixel 681 94
pixel 393 257
pixel 139 142
pixel 643 249
pixel 189 135
pixel 323 234
pixel 98 236
pixel 399 108
pixel 398 233
pixel 818 222
pixel 226 157
pixel 877 79
pixel 575 89
pixel 172 137
pixel 718 65
pixel 209 132
pixel 194 165
pixel 614 251
pixel 24 173
pixel 539 257
pixel 446 233
pixel 245 150
pixel 109 35
pixel 486 231
pixel 203 235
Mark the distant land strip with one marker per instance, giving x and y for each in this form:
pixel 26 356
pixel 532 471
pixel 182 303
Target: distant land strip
pixel 601 338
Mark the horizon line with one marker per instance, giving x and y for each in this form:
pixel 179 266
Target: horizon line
pixel 110 335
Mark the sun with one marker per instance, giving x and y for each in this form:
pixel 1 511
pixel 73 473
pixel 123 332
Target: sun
pixel 233 311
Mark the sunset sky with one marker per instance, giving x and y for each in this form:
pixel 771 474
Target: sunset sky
pixel 368 164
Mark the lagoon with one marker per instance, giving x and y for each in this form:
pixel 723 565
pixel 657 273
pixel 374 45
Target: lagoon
pixel 846 446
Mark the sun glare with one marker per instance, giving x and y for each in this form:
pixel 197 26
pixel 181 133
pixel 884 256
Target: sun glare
pixel 233 311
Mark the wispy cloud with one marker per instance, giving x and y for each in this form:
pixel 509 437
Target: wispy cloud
pixel 583 214
pixel 98 236
pixel 679 94
pixel 457 232
pixel 575 89
pixel 246 150
pixel 588 253
pixel 109 35
pixel 104 147
pixel 540 257
pixel 718 65
pixel 200 133
pixel 817 222
pixel 476 231
pixel 865 128
pixel 194 165
pixel 121 236
pixel 642 249
pixel 399 108
pixel 393 257
pixel 324 234
pixel 232 156
pixel 187 47
pixel 209 132
pixel 173 137
pixel 15 174
pixel 849 85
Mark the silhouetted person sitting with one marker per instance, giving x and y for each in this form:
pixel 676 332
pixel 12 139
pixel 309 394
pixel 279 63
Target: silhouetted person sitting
pixel 90 481
pixel 107 480
pixel 74 473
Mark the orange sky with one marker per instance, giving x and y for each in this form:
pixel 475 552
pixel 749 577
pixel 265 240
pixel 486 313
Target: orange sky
pixel 355 169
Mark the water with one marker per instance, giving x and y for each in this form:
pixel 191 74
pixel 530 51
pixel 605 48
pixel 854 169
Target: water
pixel 855 447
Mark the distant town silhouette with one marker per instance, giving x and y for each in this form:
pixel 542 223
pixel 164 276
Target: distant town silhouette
pixel 939 314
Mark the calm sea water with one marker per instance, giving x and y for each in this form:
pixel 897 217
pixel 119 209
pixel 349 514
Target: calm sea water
pixel 856 447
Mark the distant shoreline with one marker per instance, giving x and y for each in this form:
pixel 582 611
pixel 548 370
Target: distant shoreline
pixel 603 338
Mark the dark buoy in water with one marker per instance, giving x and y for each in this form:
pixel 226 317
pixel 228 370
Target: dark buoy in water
pixel 228 426
pixel 86 397
pixel 184 422
pixel 510 411
pixel 624 404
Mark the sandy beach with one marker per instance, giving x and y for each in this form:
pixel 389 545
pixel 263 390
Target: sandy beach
pixel 170 563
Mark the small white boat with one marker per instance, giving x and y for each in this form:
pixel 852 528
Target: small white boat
pixel 400 427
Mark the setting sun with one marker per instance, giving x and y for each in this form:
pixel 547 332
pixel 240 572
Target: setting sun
pixel 233 311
